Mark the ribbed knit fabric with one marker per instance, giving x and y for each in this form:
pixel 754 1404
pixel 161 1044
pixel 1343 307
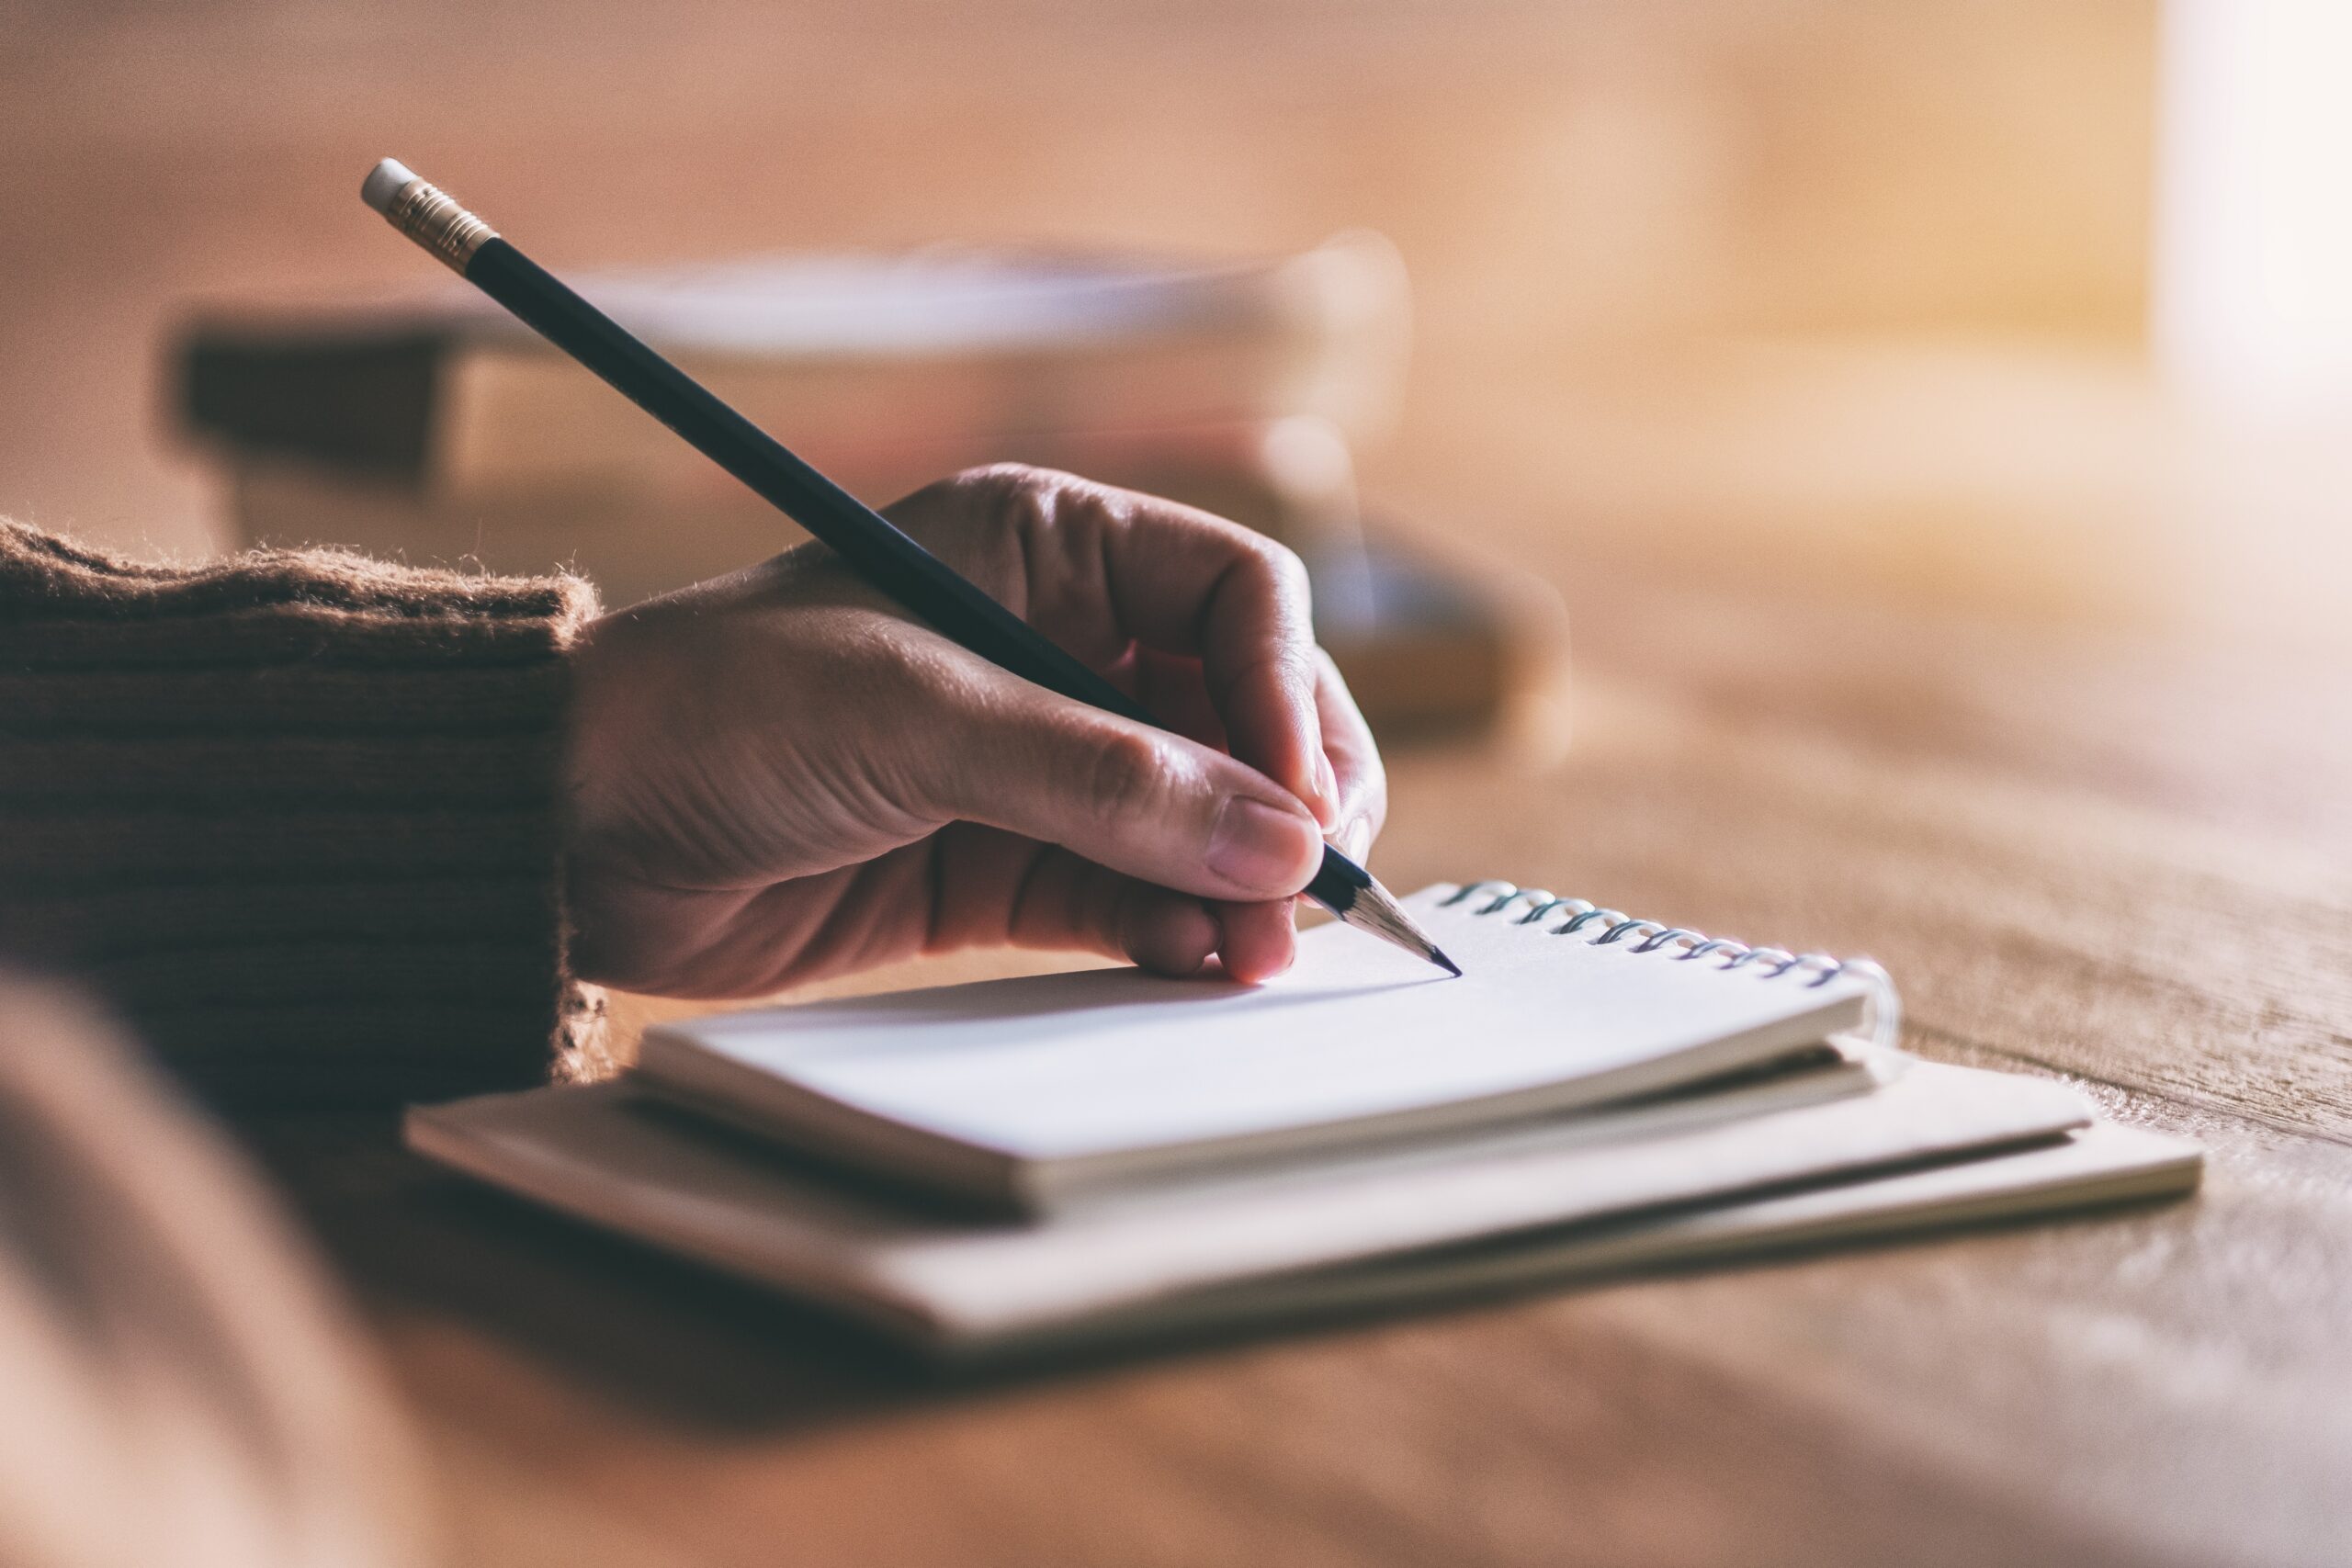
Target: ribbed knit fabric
pixel 295 814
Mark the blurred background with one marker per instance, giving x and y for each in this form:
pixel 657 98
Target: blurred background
pixel 1928 425
pixel 2007 309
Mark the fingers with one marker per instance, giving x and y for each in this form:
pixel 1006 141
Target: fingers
pixel 1165 932
pixel 1256 942
pixel 1362 783
pixel 1191 583
pixel 994 887
pixel 1099 567
pixel 1210 623
pixel 1066 902
pixel 997 750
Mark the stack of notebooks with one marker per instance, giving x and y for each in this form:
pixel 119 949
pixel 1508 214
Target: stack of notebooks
pixel 1018 1166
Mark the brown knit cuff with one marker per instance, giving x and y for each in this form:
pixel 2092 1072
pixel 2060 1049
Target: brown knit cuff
pixel 295 813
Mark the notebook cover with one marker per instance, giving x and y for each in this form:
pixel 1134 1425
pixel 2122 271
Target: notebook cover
pixel 951 1285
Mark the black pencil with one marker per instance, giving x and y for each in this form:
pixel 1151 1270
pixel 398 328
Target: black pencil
pixel 874 547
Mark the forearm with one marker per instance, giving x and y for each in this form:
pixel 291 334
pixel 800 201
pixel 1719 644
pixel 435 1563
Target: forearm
pixel 295 815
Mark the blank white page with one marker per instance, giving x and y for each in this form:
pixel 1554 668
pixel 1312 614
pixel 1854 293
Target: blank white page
pixel 1065 1066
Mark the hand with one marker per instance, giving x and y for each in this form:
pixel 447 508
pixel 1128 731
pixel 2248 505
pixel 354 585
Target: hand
pixel 779 775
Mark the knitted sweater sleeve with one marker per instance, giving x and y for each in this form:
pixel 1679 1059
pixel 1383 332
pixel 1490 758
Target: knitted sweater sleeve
pixel 297 815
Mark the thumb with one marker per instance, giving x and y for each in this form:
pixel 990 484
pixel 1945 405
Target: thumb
pixel 1136 799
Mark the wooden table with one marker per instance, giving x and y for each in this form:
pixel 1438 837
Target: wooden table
pixel 2115 854
pixel 1929 656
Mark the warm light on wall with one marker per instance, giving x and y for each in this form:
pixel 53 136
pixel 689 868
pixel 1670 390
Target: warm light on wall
pixel 2253 303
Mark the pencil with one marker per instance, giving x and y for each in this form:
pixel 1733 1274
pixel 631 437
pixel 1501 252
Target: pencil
pixel 874 546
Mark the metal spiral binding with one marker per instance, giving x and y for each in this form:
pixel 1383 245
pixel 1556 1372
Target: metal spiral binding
pixel 1614 926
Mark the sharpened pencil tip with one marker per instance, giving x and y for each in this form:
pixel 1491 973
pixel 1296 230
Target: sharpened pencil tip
pixel 1376 912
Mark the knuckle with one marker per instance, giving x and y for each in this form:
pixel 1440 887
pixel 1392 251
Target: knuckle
pixel 1288 590
pixel 939 495
pixel 1271 561
pixel 989 498
pixel 1126 771
pixel 1014 486
pixel 1044 514
pixel 1283 565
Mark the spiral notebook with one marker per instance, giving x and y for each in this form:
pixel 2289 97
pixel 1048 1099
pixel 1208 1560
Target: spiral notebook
pixel 1030 1094
pixel 1612 1129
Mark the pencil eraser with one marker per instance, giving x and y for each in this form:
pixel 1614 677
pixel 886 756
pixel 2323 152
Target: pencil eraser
pixel 385 181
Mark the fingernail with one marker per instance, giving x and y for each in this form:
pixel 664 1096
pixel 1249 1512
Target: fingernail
pixel 1356 838
pixel 1259 846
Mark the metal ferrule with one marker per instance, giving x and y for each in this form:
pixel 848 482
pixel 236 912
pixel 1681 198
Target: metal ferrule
pixel 433 219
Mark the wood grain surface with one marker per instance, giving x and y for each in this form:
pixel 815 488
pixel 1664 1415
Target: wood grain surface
pixel 1973 658
pixel 2116 858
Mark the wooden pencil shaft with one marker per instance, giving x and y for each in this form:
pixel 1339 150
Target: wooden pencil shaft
pixel 874 546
